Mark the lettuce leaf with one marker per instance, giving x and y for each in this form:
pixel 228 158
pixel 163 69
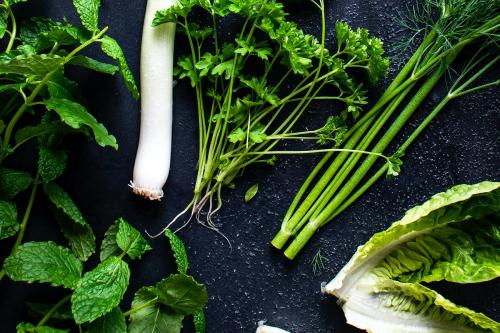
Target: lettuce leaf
pixel 454 236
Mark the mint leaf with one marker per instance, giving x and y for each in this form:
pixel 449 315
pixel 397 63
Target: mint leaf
pixel 182 294
pixel 44 262
pixel 179 251
pixel 30 65
pixel 251 192
pixel 30 328
pixel 109 247
pixel 8 219
pixel 29 132
pixel 51 163
pixel 130 240
pixel 113 49
pixel 60 86
pixel 76 115
pixel 155 317
pixel 62 201
pixel 4 19
pixel 89 13
pixel 112 322
pixel 13 182
pixel 199 322
pixel 100 290
pixel 92 64
pixel 80 237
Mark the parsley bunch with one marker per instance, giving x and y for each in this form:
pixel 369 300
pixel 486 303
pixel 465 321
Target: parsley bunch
pixel 251 89
pixel 94 300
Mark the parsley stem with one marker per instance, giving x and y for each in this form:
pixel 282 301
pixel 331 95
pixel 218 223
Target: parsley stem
pixel 53 310
pixel 24 222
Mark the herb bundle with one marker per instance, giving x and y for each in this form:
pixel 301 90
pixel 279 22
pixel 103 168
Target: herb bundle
pixel 450 26
pixel 94 301
pixel 245 105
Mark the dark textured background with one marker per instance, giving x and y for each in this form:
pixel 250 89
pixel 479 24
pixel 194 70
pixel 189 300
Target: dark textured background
pixel 253 282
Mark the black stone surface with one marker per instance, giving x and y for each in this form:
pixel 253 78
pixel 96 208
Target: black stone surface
pixel 252 282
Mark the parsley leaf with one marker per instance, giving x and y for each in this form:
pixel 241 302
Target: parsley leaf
pixel 100 290
pixel 44 262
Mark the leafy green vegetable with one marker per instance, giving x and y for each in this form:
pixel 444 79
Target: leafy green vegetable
pixel 44 262
pixel 13 182
pixel 251 192
pixel 179 251
pixel 453 237
pixel 37 65
pixel 113 321
pixel 8 219
pixel 75 115
pixel 51 163
pixel 244 113
pixel 95 65
pixel 100 290
pixel 30 328
pixel 62 201
pixel 89 13
pixel 130 240
pixel 199 322
pixel 153 316
pixel 182 294
pixel 109 247
pixel 39 310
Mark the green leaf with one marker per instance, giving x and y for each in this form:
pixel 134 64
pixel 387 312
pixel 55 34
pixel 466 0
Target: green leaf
pixel 31 65
pixel 29 132
pixel 92 64
pixel 130 240
pixel 44 262
pixel 4 21
pixel 112 322
pixel 179 250
pixel 257 135
pixel 112 49
pixel 453 237
pixel 63 201
pixel 13 182
pixel 30 328
pixel 89 13
pixel 8 219
pixel 51 163
pixel 153 317
pixel 39 310
pixel 251 192
pixel 109 247
pixel 81 238
pixel 60 86
pixel 165 16
pixel 75 115
pixel 100 290
pixel 199 322
pixel 238 135
pixel 182 294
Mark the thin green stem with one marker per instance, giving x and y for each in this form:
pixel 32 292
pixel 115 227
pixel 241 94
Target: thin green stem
pixel 53 310
pixel 13 33
pixel 140 307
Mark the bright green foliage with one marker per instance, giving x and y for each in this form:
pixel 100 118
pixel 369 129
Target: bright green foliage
pixel 51 163
pixel 35 64
pixel 92 64
pixel 182 293
pixel 13 182
pixel 254 87
pixel 62 201
pixel 38 310
pixel 100 290
pixel 44 262
pixel 4 17
pixel 155 317
pixel 60 86
pixel 30 328
pixel 179 251
pixel 109 247
pixel 130 240
pixel 112 49
pixel 8 219
pixel 89 13
pixel 113 321
pixel 199 322
pixel 453 237
pixel 29 132
pixel 251 192
pixel 76 116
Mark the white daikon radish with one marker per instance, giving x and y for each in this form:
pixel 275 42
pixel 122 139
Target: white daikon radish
pixel 152 163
